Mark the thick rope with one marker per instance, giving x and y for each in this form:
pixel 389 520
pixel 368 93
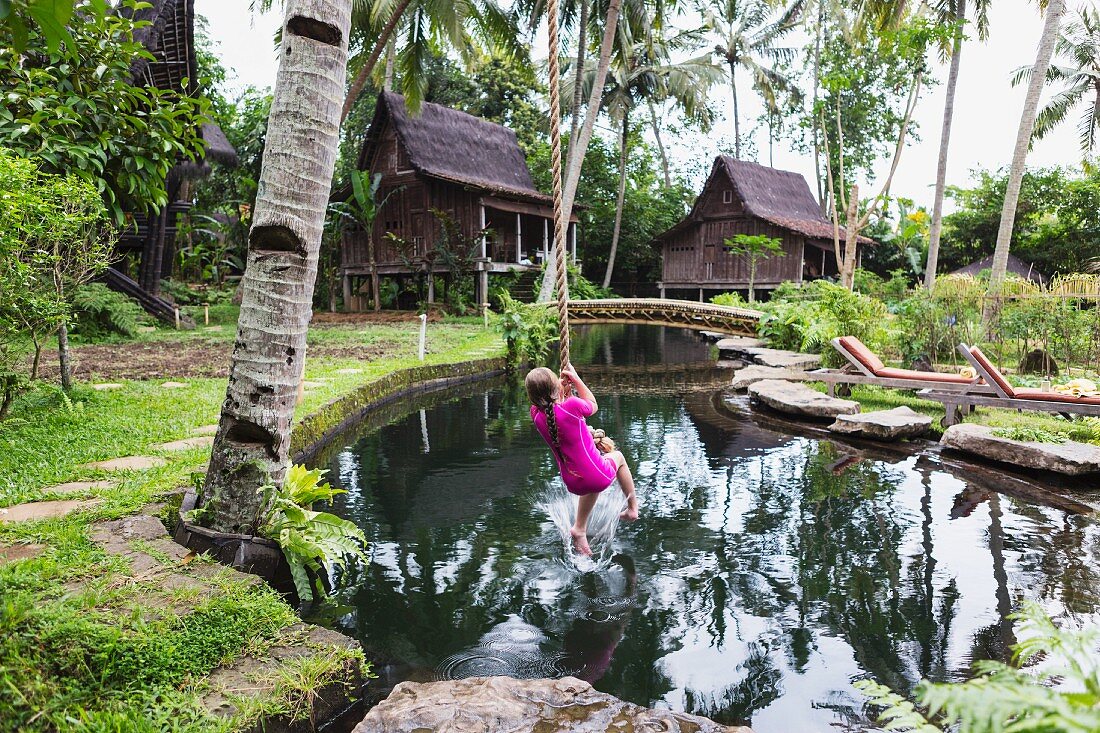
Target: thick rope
pixel 560 225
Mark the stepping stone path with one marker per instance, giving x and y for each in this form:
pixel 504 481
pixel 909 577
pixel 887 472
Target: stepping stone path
pixel 20 552
pixel 103 386
pixel 201 441
pixel 44 509
pixel 174 385
pixel 1069 458
pixel 129 463
pixel 715 335
pixel 896 424
pixel 78 487
pixel 798 399
pixel 753 373
pixel 738 345
pixel 206 430
pixel 349 371
pixel 785 359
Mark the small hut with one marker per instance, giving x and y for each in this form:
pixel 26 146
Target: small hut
pixel 741 197
pixel 170 38
pixel 472 171
pixel 1016 266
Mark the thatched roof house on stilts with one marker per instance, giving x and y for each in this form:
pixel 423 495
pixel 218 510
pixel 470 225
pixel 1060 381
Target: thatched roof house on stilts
pixel 469 169
pixel 150 242
pixel 741 197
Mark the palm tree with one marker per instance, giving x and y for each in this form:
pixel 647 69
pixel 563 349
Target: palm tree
pixel 747 40
pixel 642 73
pixel 253 440
pixel 1079 45
pixel 1055 9
pixel 949 11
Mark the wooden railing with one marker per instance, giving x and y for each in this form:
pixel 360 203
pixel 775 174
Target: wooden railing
pixel 662 312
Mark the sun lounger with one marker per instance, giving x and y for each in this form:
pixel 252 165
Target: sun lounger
pixel 1005 395
pixel 864 367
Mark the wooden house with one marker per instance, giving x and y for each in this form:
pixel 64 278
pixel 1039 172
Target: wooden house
pixel 741 197
pixel 1016 266
pixel 146 249
pixel 443 160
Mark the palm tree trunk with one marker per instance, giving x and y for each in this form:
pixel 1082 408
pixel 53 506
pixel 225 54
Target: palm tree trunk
pixel 945 140
pixel 252 444
pixel 578 78
pixel 736 114
pixel 368 67
pixel 660 143
pixel 1023 140
pixel 391 53
pixel 618 203
pixel 572 175
pixel 817 86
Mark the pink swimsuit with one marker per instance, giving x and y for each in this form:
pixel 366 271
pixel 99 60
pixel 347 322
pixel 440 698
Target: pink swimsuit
pixel 584 469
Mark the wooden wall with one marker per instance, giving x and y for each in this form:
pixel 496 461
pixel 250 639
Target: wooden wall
pixel 697 256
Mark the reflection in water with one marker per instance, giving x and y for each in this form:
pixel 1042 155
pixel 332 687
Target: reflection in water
pixel 768 571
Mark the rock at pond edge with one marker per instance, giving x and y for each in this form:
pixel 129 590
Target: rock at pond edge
pixel 795 398
pixel 896 424
pixel 1069 458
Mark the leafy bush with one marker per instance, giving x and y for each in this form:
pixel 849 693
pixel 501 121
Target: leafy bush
pixel 580 287
pixel 808 318
pixel 309 539
pixel 99 311
pixel 731 299
pixel 1031 435
pixel 528 329
pixel 1005 698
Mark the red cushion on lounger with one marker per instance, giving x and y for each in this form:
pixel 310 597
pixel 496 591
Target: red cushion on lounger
pixel 1029 393
pixel 863 355
pixel 993 371
pixel 891 373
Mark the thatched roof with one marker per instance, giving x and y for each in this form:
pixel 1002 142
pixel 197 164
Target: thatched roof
pixel 782 198
pixel 1016 266
pixel 453 146
pixel 170 37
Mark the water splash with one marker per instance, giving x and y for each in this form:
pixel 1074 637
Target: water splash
pixel 512 648
pixel 561 508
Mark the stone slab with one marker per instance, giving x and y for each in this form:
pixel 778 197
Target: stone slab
pixel 498 704
pixel 784 359
pixel 206 430
pixel 104 386
pixel 797 399
pixel 174 385
pixel 199 441
pixel 129 463
pixel 753 373
pixel 738 345
pixel 44 509
pixel 900 423
pixel 1069 458
pixel 12 553
pixel 78 487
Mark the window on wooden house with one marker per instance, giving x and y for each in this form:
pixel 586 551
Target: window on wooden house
pixel 727 196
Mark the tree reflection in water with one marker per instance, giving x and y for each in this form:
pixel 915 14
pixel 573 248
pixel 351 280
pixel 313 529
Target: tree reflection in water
pixel 767 573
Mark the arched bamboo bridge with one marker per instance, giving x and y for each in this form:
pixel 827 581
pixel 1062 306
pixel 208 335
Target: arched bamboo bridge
pixel 661 312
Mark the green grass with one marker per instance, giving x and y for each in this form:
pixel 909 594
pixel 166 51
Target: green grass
pixel 84 645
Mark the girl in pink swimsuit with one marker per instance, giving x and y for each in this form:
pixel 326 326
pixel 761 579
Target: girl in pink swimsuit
pixel 559 418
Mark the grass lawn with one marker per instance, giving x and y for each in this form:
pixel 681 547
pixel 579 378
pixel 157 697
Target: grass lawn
pixel 87 642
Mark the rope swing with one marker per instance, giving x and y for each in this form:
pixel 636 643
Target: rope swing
pixel 560 225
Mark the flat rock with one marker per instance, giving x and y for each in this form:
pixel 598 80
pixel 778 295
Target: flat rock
pixel 897 424
pixel 104 386
pixel 211 328
pixel 745 376
pixel 44 509
pixel 349 371
pixel 206 430
pixel 147 329
pixel 78 487
pixel 1069 458
pixel 498 704
pixel 310 384
pixel 199 441
pixel 798 399
pixel 712 335
pixel 174 385
pixel 129 463
pixel 738 345
pixel 784 359
pixel 11 553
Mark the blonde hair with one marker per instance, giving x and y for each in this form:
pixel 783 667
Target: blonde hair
pixel 542 386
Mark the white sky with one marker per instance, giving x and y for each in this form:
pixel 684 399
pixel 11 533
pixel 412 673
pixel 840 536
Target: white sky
pixel 987 108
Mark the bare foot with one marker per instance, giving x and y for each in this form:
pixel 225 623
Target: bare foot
pixel 580 542
pixel 631 512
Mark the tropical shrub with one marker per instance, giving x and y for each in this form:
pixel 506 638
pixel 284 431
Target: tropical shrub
pixel 99 311
pixel 528 329
pixel 1061 694
pixel 310 540
pixel 732 299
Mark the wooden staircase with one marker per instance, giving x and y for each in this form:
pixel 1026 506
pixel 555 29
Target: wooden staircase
pixel 153 304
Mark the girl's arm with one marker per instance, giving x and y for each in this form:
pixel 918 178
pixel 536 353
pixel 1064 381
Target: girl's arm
pixel 570 374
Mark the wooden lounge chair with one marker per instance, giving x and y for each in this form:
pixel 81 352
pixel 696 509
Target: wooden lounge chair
pixel 864 367
pixel 1005 395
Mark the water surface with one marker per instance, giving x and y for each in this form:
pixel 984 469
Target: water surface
pixel 768 572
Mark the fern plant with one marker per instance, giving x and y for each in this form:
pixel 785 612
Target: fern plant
pixel 1062 697
pixel 99 311
pixel 310 540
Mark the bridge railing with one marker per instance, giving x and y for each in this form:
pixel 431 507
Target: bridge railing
pixel 667 305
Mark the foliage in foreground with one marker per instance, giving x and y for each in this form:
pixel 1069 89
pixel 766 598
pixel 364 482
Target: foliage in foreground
pixel 1063 696
pixel 310 539
pixel 528 329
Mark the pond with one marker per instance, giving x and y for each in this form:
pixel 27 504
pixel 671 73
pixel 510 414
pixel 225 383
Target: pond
pixel 769 569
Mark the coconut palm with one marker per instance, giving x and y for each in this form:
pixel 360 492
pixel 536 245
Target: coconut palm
pixel 747 40
pixel 1054 12
pixel 949 11
pixel 643 72
pixel 1079 46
